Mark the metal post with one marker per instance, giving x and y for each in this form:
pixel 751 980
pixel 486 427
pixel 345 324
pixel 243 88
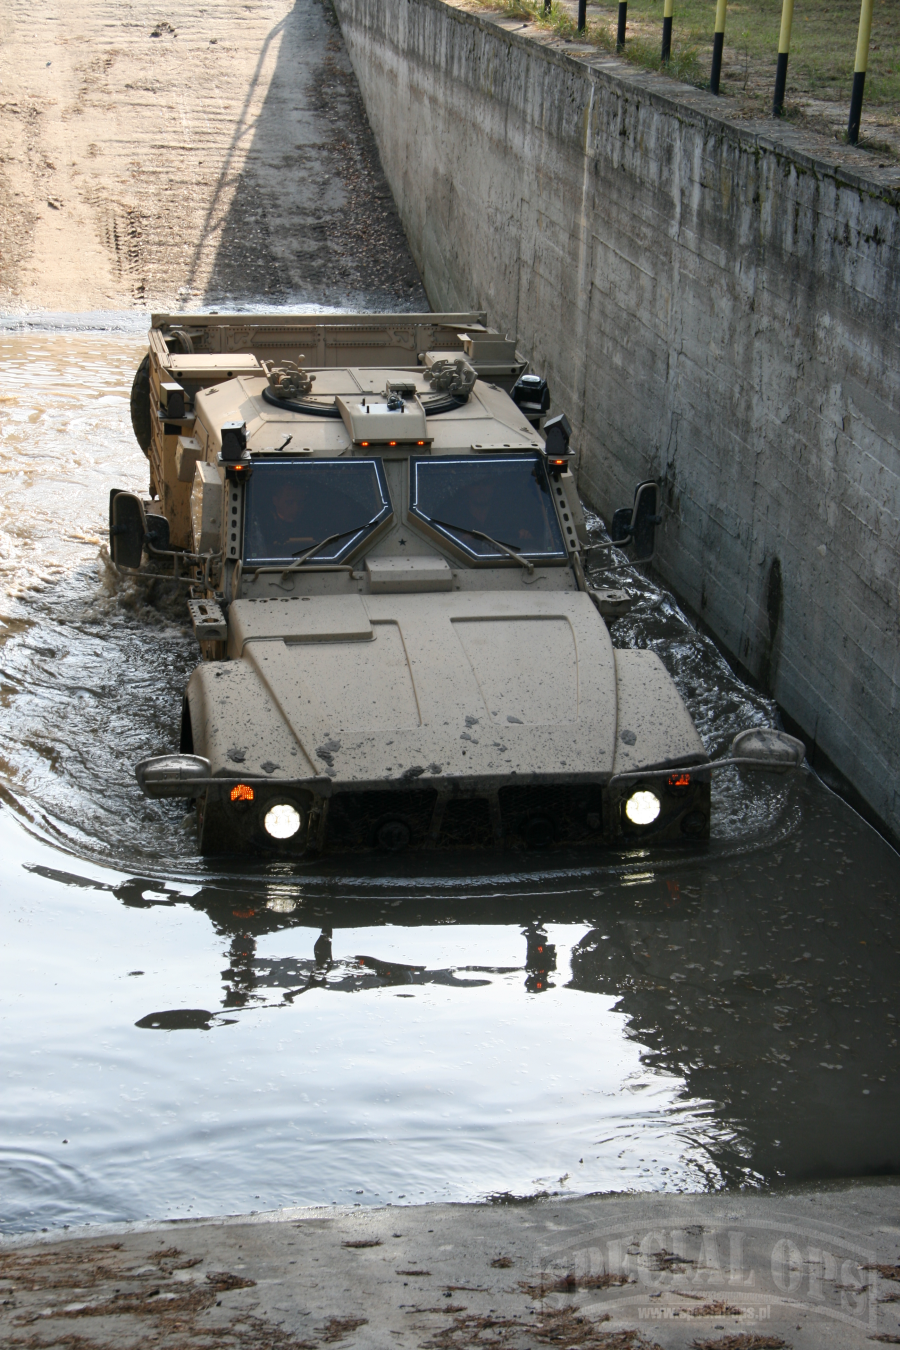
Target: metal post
pixel 668 11
pixel 859 71
pixel 582 15
pixel 784 46
pixel 718 44
pixel 620 31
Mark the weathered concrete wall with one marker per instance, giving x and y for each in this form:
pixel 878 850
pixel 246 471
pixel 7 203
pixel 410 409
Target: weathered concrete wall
pixel 710 310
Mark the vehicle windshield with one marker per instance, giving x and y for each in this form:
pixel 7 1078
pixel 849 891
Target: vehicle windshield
pixel 504 496
pixel 291 506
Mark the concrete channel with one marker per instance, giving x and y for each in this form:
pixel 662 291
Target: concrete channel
pixel 219 158
pixel 715 306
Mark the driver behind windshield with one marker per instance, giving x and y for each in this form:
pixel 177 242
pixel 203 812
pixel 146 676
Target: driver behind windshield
pixel 478 504
pixel 507 501
pixel 289 518
pixel 292 508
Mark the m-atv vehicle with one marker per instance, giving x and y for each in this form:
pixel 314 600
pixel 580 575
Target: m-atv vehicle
pixel 384 545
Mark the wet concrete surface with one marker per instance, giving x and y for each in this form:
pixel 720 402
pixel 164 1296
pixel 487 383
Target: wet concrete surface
pixel 814 1269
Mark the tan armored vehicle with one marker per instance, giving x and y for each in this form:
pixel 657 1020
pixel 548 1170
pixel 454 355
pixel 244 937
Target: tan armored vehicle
pixel 384 545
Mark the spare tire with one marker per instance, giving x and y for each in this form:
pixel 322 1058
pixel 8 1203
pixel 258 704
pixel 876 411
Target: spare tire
pixel 140 405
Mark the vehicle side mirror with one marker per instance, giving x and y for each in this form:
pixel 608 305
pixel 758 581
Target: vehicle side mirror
pixel 127 529
pixel 172 775
pixel 638 524
pixel 766 748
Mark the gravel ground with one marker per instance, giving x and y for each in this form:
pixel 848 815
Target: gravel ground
pixel 185 156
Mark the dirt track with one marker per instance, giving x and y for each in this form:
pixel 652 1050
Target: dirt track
pixel 186 155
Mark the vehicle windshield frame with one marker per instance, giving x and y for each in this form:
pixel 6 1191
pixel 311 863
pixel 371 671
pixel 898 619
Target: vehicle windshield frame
pixel 482 552
pixel 339 549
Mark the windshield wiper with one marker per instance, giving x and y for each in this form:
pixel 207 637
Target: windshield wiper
pixel 293 567
pixel 321 544
pixel 480 534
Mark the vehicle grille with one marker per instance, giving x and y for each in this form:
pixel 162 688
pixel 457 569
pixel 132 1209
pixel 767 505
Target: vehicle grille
pixel 535 816
pixel 552 813
pixel 466 823
pixel 355 818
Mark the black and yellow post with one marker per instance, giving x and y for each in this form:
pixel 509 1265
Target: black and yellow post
pixel 620 31
pixel 582 15
pixel 668 11
pixel 784 46
pixel 859 71
pixel 718 44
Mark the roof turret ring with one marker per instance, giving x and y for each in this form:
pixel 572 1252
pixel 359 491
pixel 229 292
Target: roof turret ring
pixel 433 407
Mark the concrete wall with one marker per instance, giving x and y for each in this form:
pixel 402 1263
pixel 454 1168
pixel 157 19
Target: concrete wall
pixel 711 310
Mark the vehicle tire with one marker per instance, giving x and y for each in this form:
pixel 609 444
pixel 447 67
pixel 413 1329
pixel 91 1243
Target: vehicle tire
pixel 140 405
pixel 186 740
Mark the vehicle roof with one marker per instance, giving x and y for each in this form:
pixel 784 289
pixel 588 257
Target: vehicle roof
pixel 488 421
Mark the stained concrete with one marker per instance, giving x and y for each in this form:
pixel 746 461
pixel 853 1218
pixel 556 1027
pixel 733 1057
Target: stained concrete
pixel 716 305
pixel 812 1269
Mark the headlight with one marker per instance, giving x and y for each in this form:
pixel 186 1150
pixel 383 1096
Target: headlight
pixel 642 807
pixel 282 821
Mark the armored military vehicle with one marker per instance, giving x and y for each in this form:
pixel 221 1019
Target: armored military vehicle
pixel 379 530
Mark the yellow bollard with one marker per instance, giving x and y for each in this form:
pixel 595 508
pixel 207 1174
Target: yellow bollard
pixel 718 44
pixel 668 11
pixel 784 46
pixel 859 70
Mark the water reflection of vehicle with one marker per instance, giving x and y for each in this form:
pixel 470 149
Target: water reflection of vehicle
pixel 750 979
pixel 387 555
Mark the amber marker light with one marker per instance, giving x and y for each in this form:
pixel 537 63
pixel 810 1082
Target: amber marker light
pixel 420 442
pixel 364 444
pixel 679 780
pixel 392 442
pixel 242 792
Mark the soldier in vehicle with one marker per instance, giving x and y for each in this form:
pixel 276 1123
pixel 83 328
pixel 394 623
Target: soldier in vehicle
pixel 480 503
pixel 298 508
pixel 289 522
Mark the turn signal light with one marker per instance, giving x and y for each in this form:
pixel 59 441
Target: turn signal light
pixel 242 792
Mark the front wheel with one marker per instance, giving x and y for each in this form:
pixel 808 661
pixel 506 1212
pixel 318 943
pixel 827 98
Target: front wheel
pixel 140 405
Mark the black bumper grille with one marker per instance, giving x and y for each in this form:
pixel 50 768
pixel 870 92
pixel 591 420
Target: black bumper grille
pixel 552 813
pixel 534 817
pixel 356 819
pixel 466 823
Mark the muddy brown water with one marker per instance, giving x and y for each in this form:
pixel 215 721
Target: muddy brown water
pixel 182 1037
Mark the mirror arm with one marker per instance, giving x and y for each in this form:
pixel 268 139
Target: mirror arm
pixel 205 560
pixel 194 785
pixel 729 763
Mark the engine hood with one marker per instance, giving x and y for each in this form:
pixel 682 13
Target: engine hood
pixel 490 686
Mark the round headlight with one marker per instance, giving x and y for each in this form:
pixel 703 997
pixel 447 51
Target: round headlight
pixel 282 821
pixel 642 807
